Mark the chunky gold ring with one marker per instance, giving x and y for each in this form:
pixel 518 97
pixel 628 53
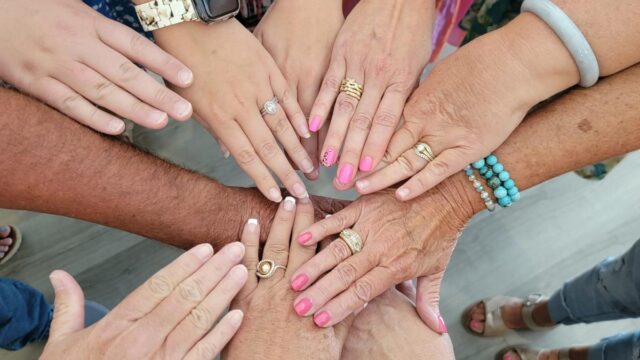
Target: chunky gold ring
pixel 353 240
pixel 351 88
pixel 424 151
pixel 267 268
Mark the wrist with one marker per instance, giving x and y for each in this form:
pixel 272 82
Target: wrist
pixel 462 197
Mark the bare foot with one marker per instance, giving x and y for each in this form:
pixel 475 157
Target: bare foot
pixel 5 240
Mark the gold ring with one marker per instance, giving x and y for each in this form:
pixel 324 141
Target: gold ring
pixel 424 151
pixel 351 88
pixel 267 268
pixel 353 240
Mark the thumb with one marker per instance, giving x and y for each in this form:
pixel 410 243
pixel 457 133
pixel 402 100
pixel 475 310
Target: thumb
pixel 68 309
pixel 427 302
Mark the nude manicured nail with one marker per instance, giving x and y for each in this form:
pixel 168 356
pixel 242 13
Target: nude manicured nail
pixel 203 251
pixel 56 282
pixel 302 307
pixel 443 326
pixel 252 225
pixel 235 317
pixel 307 166
pixel 299 190
pixel 289 203
pixel 157 117
pixel 345 174
pixel 116 126
pixel 275 194
pixel 366 164
pixel 186 77
pixel 182 108
pixel 235 250
pixel 403 193
pixel 304 238
pixel 362 184
pixel 322 318
pixel 329 158
pixel 314 125
pixel 299 282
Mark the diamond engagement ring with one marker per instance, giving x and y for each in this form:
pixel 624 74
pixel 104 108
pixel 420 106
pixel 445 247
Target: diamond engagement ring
pixel 267 268
pixel 353 240
pixel 424 151
pixel 270 107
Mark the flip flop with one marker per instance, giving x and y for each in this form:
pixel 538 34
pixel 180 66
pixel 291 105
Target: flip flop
pixel 529 353
pixel 16 235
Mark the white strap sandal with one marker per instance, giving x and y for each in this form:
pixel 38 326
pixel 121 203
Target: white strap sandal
pixel 493 323
pixel 16 235
pixel 528 353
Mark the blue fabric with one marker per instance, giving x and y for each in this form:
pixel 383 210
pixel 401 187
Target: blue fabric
pixel 608 291
pixel 119 10
pixel 25 315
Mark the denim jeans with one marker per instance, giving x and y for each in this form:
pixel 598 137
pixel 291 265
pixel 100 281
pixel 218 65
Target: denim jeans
pixel 608 291
pixel 25 315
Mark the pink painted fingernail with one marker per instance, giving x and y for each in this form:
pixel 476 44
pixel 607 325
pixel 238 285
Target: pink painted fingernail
pixel 302 306
pixel 366 164
pixel 314 125
pixel 476 326
pixel 304 238
pixel 329 158
pixel 299 282
pixel 345 174
pixel 443 326
pixel 322 318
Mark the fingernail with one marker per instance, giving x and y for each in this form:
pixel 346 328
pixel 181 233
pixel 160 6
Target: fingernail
pixel 345 174
pixel 304 132
pixel 289 203
pixel 235 250
pixel 157 117
pixel 302 306
pixel 307 166
pixel 186 76
pixel 366 164
pixel 403 193
pixel 299 190
pixel 203 251
pixel 56 282
pixel 329 158
pixel 314 125
pixel 235 317
pixel 252 225
pixel 182 108
pixel 362 184
pixel 299 282
pixel 476 326
pixel 116 126
pixel 238 272
pixel 322 318
pixel 226 154
pixel 304 238
pixel 443 326
pixel 275 195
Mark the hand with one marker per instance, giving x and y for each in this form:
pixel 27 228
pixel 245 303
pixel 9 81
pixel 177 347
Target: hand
pixel 234 77
pixel 383 45
pixel 172 316
pixel 79 62
pixel 271 327
pixel 401 241
pixel 300 35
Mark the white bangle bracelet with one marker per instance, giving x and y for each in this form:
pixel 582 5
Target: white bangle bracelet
pixel 570 35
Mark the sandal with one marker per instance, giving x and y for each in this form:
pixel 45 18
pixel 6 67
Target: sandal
pixel 493 323
pixel 528 353
pixel 16 235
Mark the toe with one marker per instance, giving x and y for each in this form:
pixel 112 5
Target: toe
pixel 6 242
pixel 477 326
pixel 4 249
pixel 511 355
pixel 5 231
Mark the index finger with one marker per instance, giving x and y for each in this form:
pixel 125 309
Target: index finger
pixel 329 226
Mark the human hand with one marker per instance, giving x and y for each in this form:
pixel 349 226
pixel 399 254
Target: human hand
pixel 383 45
pixel 271 327
pixel 400 240
pixel 82 63
pixel 171 316
pixel 300 35
pixel 234 77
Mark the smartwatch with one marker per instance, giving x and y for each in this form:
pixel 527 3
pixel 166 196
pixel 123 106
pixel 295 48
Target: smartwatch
pixel 157 14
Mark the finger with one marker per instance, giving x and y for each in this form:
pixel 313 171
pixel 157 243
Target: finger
pixel 444 165
pixel 269 151
pixel 307 93
pixel 72 104
pixel 342 113
pixel 299 254
pixel 142 51
pixel 289 103
pixel 281 128
pixel 361 292
pixel 310 146
pixel 212 344
pixel 204 316
pixel 338 280
pixel 277 246
pixel 403 139
pixel 150 294
pixel 328 92
pixel 122 72
pixel 246 157
pixel 251 241
pixel 68 309
pixel 6 242
pixel 427 301
pixel 405 166
pixel 223 148
pixel 329 226
pixel 384 125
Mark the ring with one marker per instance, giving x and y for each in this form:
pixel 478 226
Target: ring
pixel 270 107
pixel 424 151
pixel 351 88
pixel 267 268
pixel 353 240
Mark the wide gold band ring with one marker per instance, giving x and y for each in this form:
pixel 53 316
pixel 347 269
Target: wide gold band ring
pixel 424 151
pixel 353 240
pixel 351 88
pixel 267 268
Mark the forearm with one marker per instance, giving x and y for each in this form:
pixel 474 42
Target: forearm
pixel 60 167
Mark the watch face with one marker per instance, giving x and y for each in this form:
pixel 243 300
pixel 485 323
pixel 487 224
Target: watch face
pixel 220 8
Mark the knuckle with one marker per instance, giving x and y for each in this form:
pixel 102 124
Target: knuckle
pixel 103 89
pixel 268 149
pixel 161 95
pixel 439 168
pixel 363 290
pixel 406 166
pixel 383 65
pixel 247 157
pixel 340 251
pixel 347 273
pixel 128 71
pixel 69 102
pixel 286 96
pixel 385 119
pixel 346 105
pixel 281 127
pixel 362 121
pixel 331 82
pixel 201 318
pixel 191 291
pixel 137 42
pixel 279 249
pixel 160 286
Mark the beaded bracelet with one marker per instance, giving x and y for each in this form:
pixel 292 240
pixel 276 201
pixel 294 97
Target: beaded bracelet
pixel 479 188
pixel 498 179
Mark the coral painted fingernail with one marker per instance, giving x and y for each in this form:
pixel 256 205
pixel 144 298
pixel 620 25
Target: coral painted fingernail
pixel 476 326
pixel 304 238
pixel 366 164
pixel 302 306
pixel 314 125
pixel 345 174
pixel 329 158
pixel 443 326
pixel 299 282
pixel 322 318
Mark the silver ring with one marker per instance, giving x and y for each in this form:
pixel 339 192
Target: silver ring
pixel 267 268
pixel 270 107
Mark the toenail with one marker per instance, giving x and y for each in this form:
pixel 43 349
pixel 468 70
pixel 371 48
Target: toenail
pixel 476 326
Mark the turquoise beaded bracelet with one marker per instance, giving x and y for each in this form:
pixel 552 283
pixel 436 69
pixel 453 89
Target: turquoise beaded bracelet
pixel 498 179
